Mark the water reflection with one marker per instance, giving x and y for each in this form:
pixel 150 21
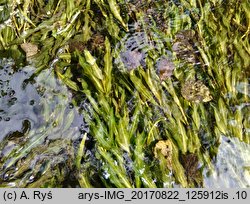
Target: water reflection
pixel 17 103
pixel 231 165
pixel 38 124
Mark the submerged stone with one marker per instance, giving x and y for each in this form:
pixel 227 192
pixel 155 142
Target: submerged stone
pixel 131 59
pixel 165 67
pixel 132 51
pixel 30 49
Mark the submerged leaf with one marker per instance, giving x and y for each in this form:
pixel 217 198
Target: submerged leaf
pixel 115 11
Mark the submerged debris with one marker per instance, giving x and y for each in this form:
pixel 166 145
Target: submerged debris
pixel 150 13
pixel 165 67
pixel 196 91
pixel 97 42
pixel 191 165
pixel 164 148
pixel 76 45
pixel 184 46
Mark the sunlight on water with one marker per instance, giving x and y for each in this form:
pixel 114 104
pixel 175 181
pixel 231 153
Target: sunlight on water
pixel 231 165
pixel 34 112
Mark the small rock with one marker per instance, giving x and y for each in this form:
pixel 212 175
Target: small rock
pixel 131 59
pixel 30 49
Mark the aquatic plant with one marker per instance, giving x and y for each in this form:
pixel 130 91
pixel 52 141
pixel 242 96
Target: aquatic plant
pixel 174 72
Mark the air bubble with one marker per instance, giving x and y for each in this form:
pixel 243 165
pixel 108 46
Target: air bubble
pixel 7 119
pixel 32 102
pixel 12 93
pixel 71 106
pixel 54 124
pixel 6 176
pixel 12 101
pixel 31 178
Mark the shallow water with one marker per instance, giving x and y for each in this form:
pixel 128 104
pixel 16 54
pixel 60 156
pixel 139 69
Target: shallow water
pixel 164 59
pixel 35 112
pixel 231 165
pixel 40 110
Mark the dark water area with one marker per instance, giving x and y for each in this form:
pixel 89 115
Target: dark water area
pixel 35 113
